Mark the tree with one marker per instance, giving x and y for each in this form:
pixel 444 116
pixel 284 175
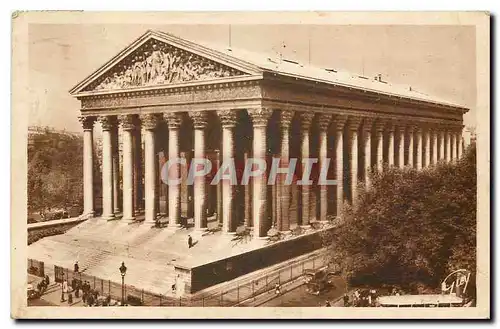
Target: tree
pixel 55 161
pixel 411 226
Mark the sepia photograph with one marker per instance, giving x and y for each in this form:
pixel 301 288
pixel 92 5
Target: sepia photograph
pixel 200 165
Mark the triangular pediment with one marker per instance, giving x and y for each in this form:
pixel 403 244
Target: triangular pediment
pixel 158 59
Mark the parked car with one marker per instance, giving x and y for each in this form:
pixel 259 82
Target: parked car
pixel 32 292
pixel 320 280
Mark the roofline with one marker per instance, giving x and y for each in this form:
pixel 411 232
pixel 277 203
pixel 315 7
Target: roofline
pixel 372 91
pixel 226 59
pixel 236 63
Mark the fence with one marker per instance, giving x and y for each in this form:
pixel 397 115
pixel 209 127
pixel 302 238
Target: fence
pixel 230 296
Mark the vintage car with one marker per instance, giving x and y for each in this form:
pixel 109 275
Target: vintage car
pixel 32 292
pixel 319 280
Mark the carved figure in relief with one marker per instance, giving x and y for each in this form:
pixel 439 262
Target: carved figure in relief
pixel 163 64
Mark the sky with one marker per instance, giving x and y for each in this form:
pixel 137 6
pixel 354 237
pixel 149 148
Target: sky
pixel 436 60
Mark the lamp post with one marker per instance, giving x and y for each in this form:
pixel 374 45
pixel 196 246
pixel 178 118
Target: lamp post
pixel 123 271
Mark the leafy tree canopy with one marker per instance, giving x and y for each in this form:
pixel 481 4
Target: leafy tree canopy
pixel 54 170
pixel 411 226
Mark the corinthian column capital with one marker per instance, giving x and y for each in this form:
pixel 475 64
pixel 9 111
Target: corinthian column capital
pixel 150 121
pixel 380 125
pixel 108 122
pixel 286 117
pixel 324 120
pixel 306 119
pixel 200 119
pixel 390 126
pixel 338 121
pixel 128 121
pixel 260 116
pixel 173 119
pixel 87 122
pixel 367 123
pixel 354 122
pixel 227 118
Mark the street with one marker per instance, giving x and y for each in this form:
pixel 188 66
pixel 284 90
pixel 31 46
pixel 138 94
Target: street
pixel 300 297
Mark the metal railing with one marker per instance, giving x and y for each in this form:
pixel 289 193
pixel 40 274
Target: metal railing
pixel 232 295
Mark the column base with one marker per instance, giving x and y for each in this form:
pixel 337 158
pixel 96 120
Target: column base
pixel 88 214
pixel 198 232
pixel 174 226
pixel 129 219
pixel 260 237
pixel 108 216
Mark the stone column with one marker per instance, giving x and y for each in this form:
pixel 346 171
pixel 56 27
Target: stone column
pixel 138 184
pixel 200 189
pixel 367 142
pixel 248 197
pixel 390 141
pixel 353 126
pixel 441 146
pixel 448 146
pixel 228 122
pixel 88 165
pixel 116 170
pixel 434 146
pixel 411 161
pixel 460 144
pixel 379 131
pixel 338 122
pixel 149 124
pixel 418 145
pixel 453 148
pixel 174 120
pixel 323 124
pixel 427 148
pixel 128 127
pixel 401 146
pixel 305 125
pixel 283 223
pixel 261 221
pixel 107 123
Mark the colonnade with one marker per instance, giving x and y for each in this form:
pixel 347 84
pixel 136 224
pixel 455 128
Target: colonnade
pixel 353 145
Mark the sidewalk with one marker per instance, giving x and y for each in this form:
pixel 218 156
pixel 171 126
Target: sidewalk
pixel 52 295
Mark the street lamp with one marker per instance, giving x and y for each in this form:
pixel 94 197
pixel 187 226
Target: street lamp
pixel 123 271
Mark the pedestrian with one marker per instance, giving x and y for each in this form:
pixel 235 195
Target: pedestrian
pixel 346 300
pixel 173 288
pixel 62 293
pixel 190 241
pixel 70 298
pixel 47 280
pixel 76 267
pixel 277 288
pixel 65 286
pixel 90 300
pixel 327 303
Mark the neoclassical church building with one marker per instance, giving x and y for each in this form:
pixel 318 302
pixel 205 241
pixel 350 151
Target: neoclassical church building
pixel 164 98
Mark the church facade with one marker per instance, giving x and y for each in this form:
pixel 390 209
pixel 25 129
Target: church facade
pixel 165 98
pixel 183 99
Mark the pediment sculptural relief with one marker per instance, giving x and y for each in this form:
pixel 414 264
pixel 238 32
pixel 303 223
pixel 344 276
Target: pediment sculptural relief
pixel 157 63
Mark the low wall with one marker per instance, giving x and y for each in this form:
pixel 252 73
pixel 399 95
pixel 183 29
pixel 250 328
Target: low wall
pixel 37 231
pixel 210 274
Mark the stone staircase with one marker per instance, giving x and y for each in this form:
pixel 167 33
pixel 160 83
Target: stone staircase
pixel 101 246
